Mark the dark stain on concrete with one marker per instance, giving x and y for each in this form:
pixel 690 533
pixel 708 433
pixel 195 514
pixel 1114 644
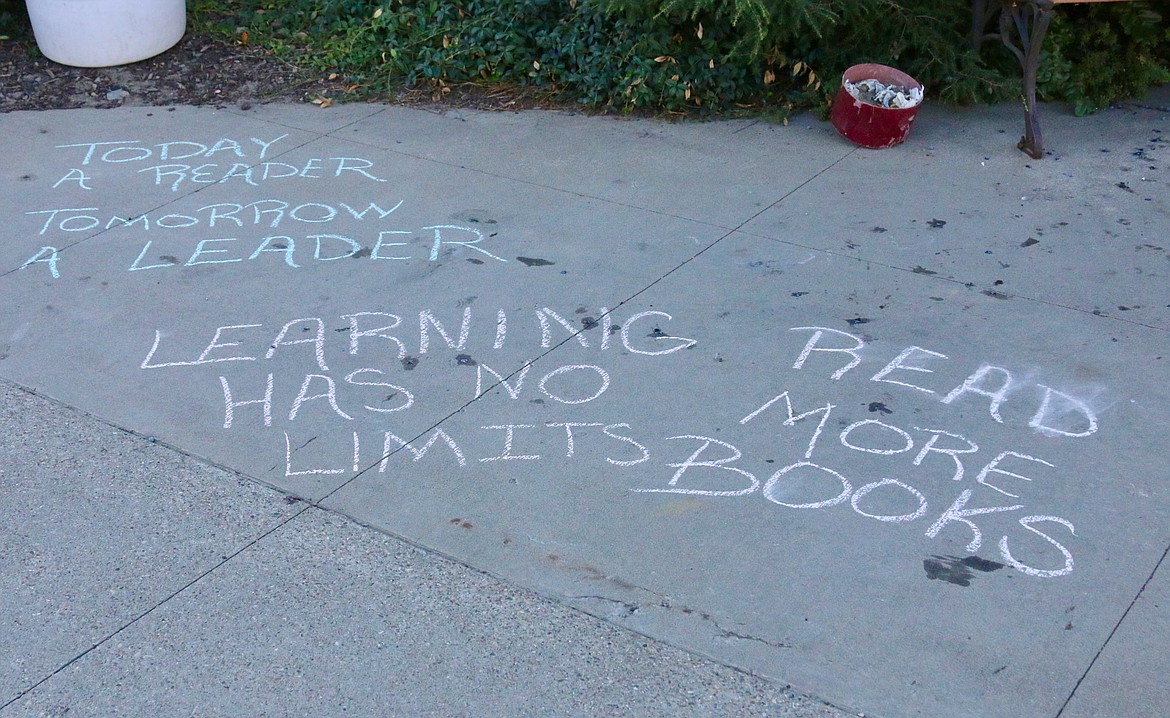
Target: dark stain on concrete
pixel 958 571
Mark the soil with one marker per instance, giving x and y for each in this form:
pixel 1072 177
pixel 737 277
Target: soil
pixel 197 71
pixel 202 70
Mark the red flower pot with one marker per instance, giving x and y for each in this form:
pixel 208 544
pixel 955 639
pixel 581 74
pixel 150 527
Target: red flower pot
pixel 872 125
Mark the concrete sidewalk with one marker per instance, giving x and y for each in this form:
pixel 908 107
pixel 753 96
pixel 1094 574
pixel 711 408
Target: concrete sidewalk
pixel 377 411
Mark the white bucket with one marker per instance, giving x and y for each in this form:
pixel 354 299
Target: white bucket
pixel 101 33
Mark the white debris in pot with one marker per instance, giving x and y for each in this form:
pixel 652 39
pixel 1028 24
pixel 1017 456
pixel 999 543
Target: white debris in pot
pixel 877 93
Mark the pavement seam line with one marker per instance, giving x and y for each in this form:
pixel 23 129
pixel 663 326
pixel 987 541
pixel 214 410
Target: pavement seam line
pixel 582 195
pixel 737 228
pixel 331 135
pixel 742 224
pixel 1113 632
pixel 569 338
pixel 139 435
pixel 808 694
pixel 803 691
pixel 317 503
pixel 404 468
pixel 225 559
pixel 182 589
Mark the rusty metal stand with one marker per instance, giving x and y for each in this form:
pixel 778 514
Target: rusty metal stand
pixel 1022 27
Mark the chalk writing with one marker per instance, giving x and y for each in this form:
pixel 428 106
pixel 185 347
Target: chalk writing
pixel 262 340
pixel 269 213
pixel 179 175
pixel 254 170
pixel 342 370
pixel 48 256
pixel 74 175
pixel 187 164
pixel 1057 413
pixel 697 464
pixel 121 151
pixel 292 252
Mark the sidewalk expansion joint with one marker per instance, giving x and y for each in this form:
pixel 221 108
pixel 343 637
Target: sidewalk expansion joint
pixel 1113 632
pixel 175 594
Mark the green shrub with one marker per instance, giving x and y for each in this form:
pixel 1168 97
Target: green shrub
pixel 1094 54
pixel 694 55
pixel 1097 55
pixel 13 20
pixel 684 56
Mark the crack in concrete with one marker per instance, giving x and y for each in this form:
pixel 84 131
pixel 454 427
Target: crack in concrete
pixel 630 608
pixel 724 633
pixel 665 603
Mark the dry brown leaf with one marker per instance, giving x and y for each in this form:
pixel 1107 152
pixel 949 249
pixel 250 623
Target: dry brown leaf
pixel 769 77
